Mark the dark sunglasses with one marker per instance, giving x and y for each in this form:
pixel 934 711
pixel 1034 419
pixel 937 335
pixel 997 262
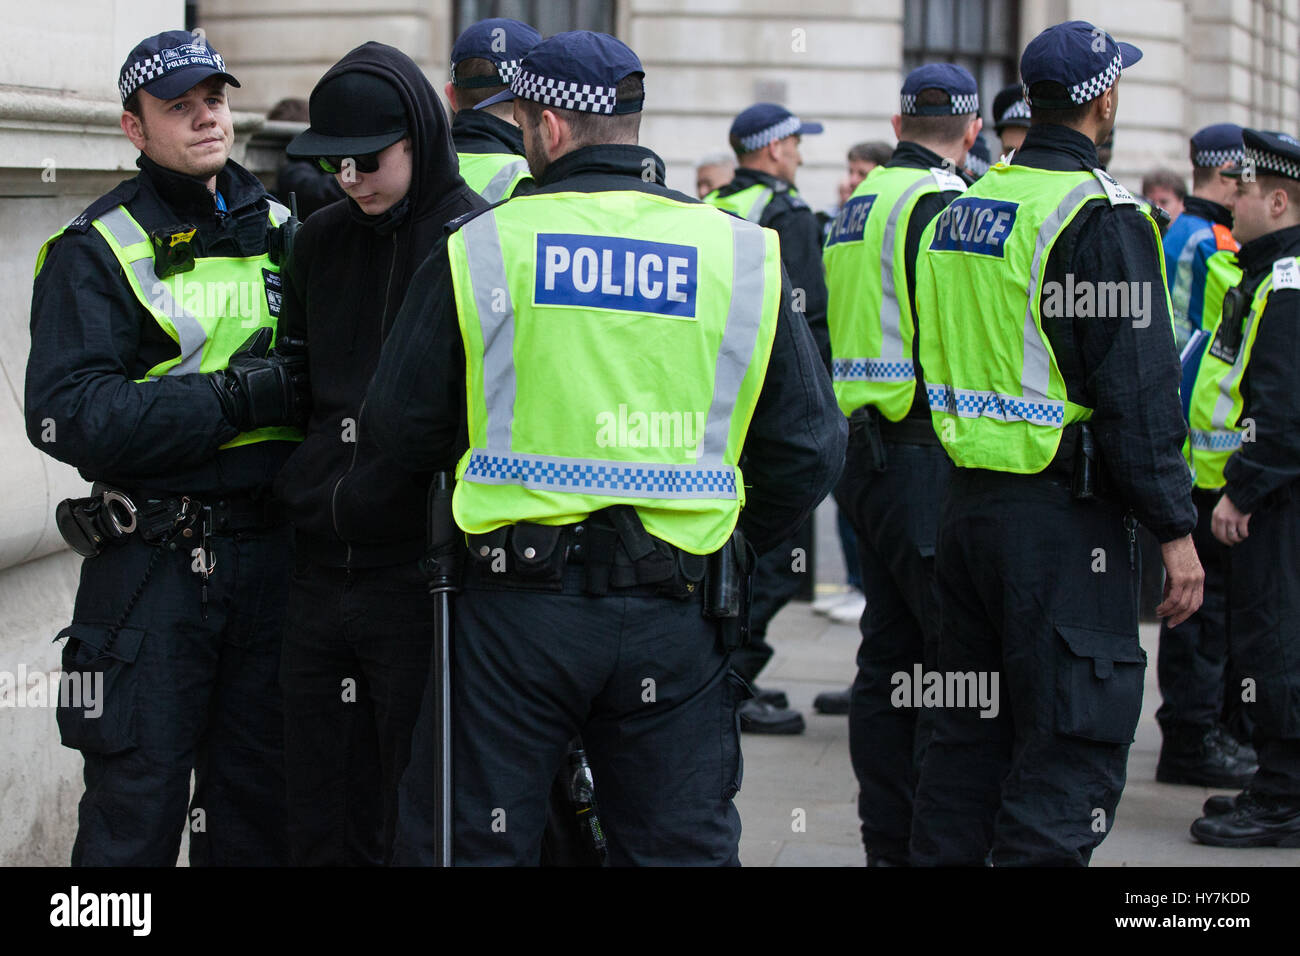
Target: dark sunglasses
pixel 368 163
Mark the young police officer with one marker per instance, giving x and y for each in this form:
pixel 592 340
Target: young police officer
pixel 1201 265
pixel 765 139
pixel 140 316
pixel 484 60
pixel 896 472
pixel 1258 515
pixel 1033 391
pixel 614 355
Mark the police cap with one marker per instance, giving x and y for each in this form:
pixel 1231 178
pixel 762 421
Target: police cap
pixel 1083 60
pixel 1269 152
pixel 1010 108
pixel 169 64
pixel 502 41
pixel 763 123
pixel 578 70
pixel 1216 145
pixel 956 81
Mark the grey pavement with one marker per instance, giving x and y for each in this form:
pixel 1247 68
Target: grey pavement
pixel 798 802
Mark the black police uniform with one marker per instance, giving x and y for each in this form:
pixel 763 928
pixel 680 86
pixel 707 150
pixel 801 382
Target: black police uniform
pixel 522 691
pixel 478 131
pixel 190 675
pixel 894 509
pixel 1018 593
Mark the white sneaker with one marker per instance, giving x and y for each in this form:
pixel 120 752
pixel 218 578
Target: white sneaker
pixel 849 611
pixel 825 603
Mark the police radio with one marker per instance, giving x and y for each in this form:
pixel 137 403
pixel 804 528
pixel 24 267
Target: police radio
pixel 280 239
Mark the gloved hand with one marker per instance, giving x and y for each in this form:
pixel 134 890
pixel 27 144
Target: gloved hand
pixel 259 387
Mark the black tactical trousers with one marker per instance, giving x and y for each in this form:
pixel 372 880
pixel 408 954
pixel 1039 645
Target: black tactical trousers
pixel 1264 638
pixel 188 688
pixel 1191 663
pixel 356 660
pixel 645 682
pixel 895 515
pixel 1038 589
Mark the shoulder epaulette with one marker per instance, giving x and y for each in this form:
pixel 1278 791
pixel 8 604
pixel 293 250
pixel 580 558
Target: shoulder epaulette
pixel 452 225
pixel 1117 194
pixel 121 194
pixel 1286 273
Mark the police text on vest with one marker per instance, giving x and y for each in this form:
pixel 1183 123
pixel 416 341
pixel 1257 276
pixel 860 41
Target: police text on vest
pixel 609 272
pixel 972 224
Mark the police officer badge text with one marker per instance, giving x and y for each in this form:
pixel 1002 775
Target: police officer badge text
pixel 625 275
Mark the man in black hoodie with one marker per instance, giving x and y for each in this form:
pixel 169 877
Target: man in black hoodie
pixel 489 145
pixel 137 376
pixel 359 629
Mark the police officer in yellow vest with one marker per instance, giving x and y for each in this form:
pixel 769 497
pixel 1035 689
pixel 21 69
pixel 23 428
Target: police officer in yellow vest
pixel 593 367
pixel 489 146
pixel 896 472
pixel 151 315
pixel 1202 732
pixel 765 138
pixel 1245 421
pixel 1049 363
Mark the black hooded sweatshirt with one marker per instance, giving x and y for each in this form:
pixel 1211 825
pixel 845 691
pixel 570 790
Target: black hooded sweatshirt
pixel 350 504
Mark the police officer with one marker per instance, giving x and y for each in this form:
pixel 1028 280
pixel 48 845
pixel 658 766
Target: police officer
pixel 1201 265
pixel 587 330
pixel 1010 117
pixel 1037 394
pixel 484 59
pixel 765 138
pixel 147 364
pixel 895 471
pixel 1255 405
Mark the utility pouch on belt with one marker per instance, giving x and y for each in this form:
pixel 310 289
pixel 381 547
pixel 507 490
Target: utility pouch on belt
pixel 87 524
pixel 727 591
pixel 534 553
pixel 864 425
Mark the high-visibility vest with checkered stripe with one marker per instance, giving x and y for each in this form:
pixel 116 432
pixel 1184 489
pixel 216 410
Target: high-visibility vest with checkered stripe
pixel 208 311
pixel 494 176
pixel 615 347
pixel 748 203
pixel 1217 403
pixel 868 309
pixel 997 397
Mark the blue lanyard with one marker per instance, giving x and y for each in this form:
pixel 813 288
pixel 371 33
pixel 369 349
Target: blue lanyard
pixel 221 201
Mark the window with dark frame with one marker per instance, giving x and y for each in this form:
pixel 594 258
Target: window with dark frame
pixel 548 16
pixel 981 35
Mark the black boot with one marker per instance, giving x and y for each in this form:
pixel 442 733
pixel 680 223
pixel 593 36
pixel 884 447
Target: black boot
pixel 832 702
pixel 776 698
pixel 1254 820
pixel 1219 804
pixel 1203 757
pixel 760 717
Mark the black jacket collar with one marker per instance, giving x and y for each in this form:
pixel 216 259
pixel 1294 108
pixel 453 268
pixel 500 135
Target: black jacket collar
pixel 1057 148
pixel 604 160
pixel 1208 209
pixel 1258 255
pixel 747 176
pixel 189 198
pixel 478 131
pixel 910 155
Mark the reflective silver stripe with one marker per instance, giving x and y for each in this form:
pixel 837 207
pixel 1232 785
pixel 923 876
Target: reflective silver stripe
pixel 1036 374
pixel 891 337
pixel 1223 404
pixel 744 317
pixel 487 277
pixel 496 188
pixel 127 232
pixel 278 210
pixel 1181 296
pixel 756 211
pixel 619 479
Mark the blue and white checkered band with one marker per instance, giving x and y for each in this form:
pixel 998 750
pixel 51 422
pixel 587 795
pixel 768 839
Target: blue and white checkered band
pixel 1017 110
pixel 507 69
pixel 787 127
pixel 168 61
pixel 1091 88
pixel 1264 162
pixel 562 94
pixel 976 165
pixel 1217 157
pixel 961 103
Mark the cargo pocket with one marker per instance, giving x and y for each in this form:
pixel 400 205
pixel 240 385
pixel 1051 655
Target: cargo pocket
pixel 734 692
pixel 98 690
pixel 1099 684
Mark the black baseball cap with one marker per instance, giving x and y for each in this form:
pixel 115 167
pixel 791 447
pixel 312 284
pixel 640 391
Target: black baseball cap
pixel 353 113
pixel 169 64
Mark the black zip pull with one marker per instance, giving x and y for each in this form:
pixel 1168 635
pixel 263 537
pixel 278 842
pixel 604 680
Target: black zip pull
pixel 1130 525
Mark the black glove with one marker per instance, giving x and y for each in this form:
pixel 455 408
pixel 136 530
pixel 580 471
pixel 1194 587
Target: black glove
pixel 258 387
